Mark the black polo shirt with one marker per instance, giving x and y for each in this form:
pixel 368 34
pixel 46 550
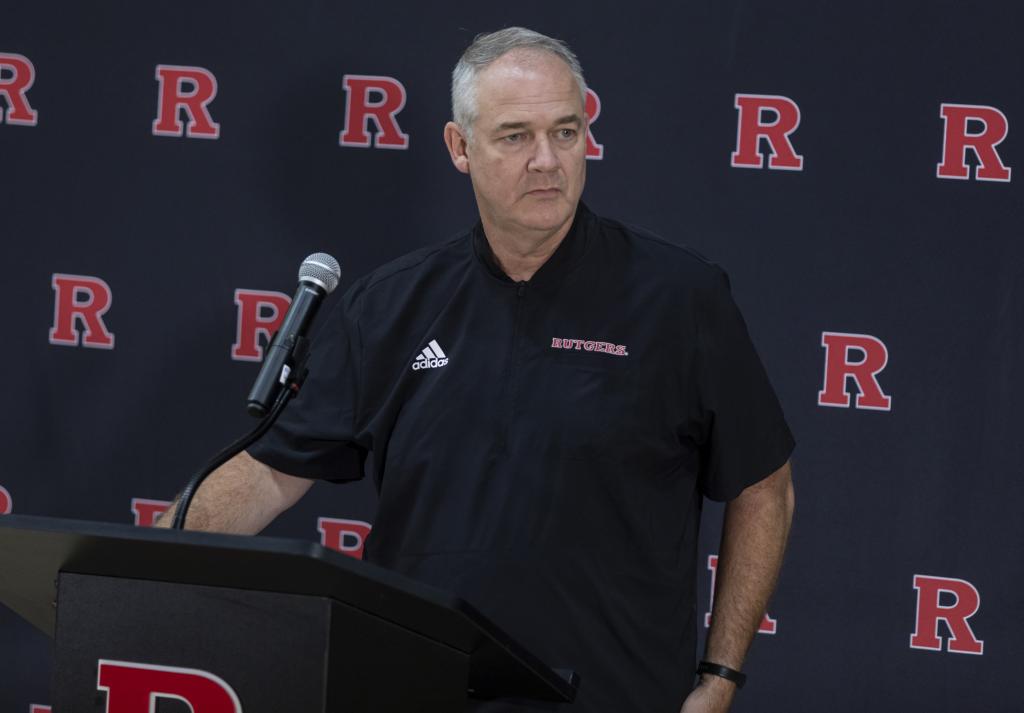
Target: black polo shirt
pixel 541 448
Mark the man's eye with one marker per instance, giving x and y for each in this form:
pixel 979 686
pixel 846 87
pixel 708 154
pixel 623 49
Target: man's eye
pixel 513 138
pixel 567 133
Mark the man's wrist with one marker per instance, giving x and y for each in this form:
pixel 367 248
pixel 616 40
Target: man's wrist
pixel 713 682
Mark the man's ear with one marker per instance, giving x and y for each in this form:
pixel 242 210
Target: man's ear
pixel 456 142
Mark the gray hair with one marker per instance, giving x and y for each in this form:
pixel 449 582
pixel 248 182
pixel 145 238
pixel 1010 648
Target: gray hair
pixel 487 48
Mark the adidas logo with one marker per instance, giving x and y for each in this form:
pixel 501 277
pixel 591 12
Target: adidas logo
pixel 432 357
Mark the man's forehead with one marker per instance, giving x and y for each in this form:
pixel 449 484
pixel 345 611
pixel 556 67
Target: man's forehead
pixel 524 66
pixel 526 57
pixel 520 84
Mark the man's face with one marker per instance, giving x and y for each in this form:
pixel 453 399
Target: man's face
pixel 527 156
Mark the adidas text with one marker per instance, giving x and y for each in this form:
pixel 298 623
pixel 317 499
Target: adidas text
pixel 428 363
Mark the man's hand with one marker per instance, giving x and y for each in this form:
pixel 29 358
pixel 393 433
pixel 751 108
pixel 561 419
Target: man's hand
pixel 713 695
pixel 241 497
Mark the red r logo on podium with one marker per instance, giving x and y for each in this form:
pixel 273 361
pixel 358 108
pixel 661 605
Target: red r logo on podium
pixel 135 687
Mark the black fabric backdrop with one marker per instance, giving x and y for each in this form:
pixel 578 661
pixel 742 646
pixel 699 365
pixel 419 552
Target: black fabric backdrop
pixel 865 239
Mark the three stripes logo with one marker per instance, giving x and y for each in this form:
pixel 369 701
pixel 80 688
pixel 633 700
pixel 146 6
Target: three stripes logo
pixel 432 357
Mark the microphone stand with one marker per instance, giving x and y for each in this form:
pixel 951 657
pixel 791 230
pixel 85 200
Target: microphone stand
pixel 299 348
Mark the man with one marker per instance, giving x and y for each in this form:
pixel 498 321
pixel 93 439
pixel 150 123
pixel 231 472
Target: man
pixel 547 399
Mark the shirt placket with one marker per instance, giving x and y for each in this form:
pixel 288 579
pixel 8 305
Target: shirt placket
pixel 512 367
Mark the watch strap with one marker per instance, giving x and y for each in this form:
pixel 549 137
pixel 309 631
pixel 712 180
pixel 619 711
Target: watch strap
pixel 724 671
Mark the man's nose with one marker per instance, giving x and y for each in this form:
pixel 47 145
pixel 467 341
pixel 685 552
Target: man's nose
pixel 544 158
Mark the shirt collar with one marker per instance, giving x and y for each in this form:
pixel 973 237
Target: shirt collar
pixel 566 257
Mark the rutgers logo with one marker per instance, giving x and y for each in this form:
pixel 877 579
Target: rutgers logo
pixel 17 75
pixel 136 687
pixel 377 99
pixel 589 346
pixel 874 356
pixel 962 601
pixel 767 625
pixel 37 708
pixel 80 300
pixel 188 89
pixel 592 108
pixel 991 127
pixel 345 536
pixel 259 314
pixel 6 502
pixel 146 512
pixel 772 118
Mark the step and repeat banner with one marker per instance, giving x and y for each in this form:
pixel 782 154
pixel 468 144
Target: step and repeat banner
pixel 853 166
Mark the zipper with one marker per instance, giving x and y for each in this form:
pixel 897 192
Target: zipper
pixel 508 400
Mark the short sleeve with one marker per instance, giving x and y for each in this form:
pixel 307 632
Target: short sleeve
pixel 746 437
pixel 317 434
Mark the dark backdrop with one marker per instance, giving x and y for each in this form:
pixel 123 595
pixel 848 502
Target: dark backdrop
pixel 866 239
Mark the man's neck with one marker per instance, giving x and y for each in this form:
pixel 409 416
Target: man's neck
pixel 521 253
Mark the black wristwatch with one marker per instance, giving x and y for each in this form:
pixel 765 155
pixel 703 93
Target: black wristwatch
pixel 724 671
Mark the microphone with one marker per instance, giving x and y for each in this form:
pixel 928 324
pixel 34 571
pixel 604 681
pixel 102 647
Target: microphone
pixel 319 274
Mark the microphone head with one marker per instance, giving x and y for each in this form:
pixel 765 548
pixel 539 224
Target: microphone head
pixel 321 269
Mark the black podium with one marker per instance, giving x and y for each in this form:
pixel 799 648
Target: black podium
pixel 145 619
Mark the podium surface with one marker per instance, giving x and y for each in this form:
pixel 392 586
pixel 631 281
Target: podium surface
pixel 254 595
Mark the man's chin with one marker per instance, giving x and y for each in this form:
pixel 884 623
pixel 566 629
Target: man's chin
pixel 547 215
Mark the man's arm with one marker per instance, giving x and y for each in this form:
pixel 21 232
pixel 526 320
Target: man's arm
pixel 241 497
pixel 754 535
